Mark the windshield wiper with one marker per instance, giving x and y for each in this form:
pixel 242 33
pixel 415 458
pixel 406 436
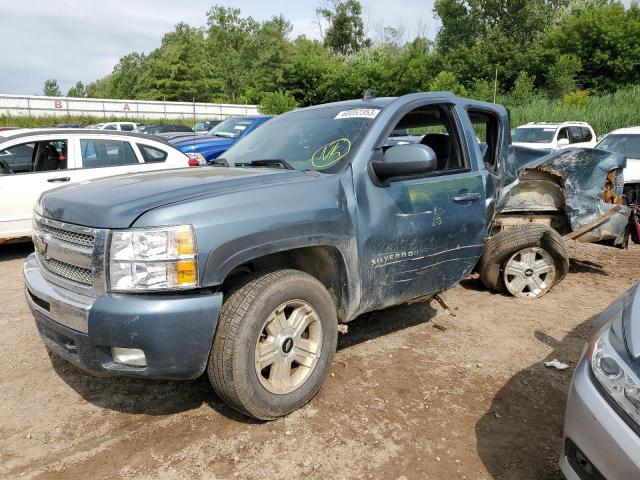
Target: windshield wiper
pixel 265 163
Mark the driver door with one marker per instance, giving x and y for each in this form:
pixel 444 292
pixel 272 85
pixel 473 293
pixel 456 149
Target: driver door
pixel 49 167
pixel 421 235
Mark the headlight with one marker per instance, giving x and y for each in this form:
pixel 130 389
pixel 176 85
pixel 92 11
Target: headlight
pixel 613 372
pixel 196 159
pixel 157 259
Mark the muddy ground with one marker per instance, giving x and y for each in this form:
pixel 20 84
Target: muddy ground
pixel 413 394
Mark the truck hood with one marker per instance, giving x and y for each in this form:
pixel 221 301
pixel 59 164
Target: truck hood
pixel 116 202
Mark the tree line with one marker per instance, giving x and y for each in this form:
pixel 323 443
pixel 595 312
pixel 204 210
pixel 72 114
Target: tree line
pixel 513 51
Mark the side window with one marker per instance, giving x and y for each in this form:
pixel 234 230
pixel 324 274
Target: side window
pixel 575 134
pixel 586 134
pixel 106 153
pixel 434 127
pixel 17 159
pixel 152 154
pixel 50 155
pixel 487 128
pixel 127 127
pixel 111 126
pixel 563 133
pixel 182 128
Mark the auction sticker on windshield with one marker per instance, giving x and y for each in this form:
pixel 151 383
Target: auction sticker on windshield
pixel 331 153
pixel 358 113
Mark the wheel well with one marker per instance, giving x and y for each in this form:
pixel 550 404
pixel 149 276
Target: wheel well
pixel 322 262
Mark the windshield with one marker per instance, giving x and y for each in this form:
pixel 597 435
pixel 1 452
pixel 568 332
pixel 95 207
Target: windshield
pixel 319 139
pixel 231 127
pixel 627 145
pixel 533 135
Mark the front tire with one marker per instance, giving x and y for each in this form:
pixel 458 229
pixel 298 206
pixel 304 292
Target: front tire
pixel 274 344
pixel 524 260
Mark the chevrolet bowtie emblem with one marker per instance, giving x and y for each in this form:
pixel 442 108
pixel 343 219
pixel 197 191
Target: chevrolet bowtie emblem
pixel 41 246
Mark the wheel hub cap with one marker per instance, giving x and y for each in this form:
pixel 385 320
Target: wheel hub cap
pixel 288 347
pixel 529 272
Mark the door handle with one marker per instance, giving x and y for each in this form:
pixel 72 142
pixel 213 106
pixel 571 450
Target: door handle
pixel 467 197
pixel 58 179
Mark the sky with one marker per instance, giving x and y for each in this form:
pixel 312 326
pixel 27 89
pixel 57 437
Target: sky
pixel 72 40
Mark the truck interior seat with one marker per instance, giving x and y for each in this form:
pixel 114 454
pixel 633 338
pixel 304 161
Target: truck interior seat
pixel 440 143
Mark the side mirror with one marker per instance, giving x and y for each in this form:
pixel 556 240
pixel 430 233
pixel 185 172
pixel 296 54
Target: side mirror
pixel 563 142
pixel 404 161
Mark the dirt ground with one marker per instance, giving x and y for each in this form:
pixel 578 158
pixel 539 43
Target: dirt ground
pixel 413 394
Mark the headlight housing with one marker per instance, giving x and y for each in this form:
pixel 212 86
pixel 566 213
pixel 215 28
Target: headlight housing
pixel 611 369
pixel 155 259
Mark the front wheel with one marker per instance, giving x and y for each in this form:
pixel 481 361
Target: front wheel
pixel 274 344
pixel 524 260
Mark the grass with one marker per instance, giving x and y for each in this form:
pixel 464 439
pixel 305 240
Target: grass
pixel 52 121
pixel 604 113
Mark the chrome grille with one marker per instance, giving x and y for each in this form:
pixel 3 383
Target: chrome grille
pixel 70 255
pixel 67 235
pixel 68 271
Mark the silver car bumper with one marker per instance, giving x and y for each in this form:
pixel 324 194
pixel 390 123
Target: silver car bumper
pixel 601 436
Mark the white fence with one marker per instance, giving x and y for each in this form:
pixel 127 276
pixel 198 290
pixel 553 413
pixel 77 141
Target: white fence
pixel 36 106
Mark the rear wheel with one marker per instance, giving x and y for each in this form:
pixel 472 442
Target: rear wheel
pixel 274 344
pixel 524 260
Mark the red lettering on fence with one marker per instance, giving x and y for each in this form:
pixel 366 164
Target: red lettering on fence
pixel 126 107
pixel 57 103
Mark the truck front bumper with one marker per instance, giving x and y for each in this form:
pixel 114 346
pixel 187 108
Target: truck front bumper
pixel 175 331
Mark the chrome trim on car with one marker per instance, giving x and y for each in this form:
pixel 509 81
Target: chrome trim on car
pixel 71 256
pixel 59 304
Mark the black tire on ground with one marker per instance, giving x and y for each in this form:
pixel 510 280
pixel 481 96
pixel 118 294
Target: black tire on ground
pixel 231 369
pixel 500 247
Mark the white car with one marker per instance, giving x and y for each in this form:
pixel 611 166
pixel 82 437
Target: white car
pixel 118 126
pixel 543 135
pixel 625 141
pixel 32 162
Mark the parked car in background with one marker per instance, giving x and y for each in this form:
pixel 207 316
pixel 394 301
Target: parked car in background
pixel 119 126
pixel 203 149
pixel 156 129
pixel 626 141
pixel 602 421
pixel 204 126
pixel 544 135
pixel 32 162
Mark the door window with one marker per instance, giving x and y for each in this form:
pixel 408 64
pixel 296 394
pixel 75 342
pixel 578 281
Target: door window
pixel 586 134
pixel 563 133
pixel 487 129
pixel 575 135
pixel 434 127
pixel 152 154
pixel 111 126
pixel 17 159
pixel 106 153
pixel 127 127
pixel 45 156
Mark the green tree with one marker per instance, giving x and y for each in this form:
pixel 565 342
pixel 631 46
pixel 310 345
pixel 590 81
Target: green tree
pixel 78 90
pixel 605 38
pixel 447 82
pixel 523 91
pixel 178 70
pixel 51 88
pixel 275 103
pixel 345 32
pixel 562 75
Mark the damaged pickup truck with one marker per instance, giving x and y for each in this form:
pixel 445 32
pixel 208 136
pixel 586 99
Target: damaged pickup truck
pixel 246 269
pixel 578 192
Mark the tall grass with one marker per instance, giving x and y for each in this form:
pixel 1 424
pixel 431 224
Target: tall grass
pixel 604 113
